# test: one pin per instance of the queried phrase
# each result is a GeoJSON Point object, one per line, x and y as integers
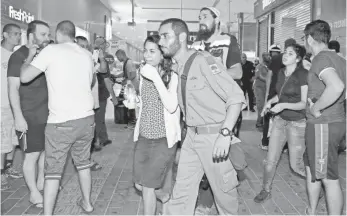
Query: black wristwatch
{"type": "Point", "coordinates": [226, 132]}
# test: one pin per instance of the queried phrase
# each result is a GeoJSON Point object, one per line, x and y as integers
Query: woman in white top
{"type": "Point", "coordinates": [157, 129]}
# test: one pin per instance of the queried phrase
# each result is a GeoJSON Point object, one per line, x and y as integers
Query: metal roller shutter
{"type": "Point", "coordinates": [263, 37]}
{"type": "Point", "coordinates": [290, 21]}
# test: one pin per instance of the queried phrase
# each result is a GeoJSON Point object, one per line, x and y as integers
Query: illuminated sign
{"type": "Point", "coordinates": [20, 15]}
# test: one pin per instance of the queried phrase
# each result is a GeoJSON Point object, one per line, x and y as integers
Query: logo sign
{"type": "Point", "coordinates": [20, 15]}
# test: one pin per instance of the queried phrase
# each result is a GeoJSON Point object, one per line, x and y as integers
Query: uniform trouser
{"type": "Point", "coordinates": [195, 160]}
{"type": "Point", "coordinates": [100, 126]}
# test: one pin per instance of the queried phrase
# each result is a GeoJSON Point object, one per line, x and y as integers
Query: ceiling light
{"type": "Point", "coordinates": [118, 33]}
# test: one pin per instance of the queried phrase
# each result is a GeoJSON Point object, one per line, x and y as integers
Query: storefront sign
{"type": "Point", "coordinates": [20, 15]}
{"type": "Point", "coordinates": [262, 7]}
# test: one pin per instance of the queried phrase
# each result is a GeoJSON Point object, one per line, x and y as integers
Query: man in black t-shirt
{"type": "Point", "coordinates": [29, 102]}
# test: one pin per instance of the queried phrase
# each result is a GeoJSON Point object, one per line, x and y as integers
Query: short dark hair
{"type": "Point", "coordinates": [289, 41]}
{"type": "Point", "coordinates": [335, 45]}
{"type": "Point", "coordinates": [33, 24]}
{"type": "Point", "coordinates": [178, 26]}
{"type": "Point", "coordinates": [81, 38]}
{"type": "Point", "coordinates": [8, 27]}
{"type": "Point", "coordinates": [67, 28]}
{"type": "Point", "coordinates": [121, 52]}
{"type": "Point", "coordinates": [319, 30]}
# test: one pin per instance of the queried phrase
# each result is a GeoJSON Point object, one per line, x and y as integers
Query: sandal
{"type": "Point", "coordinates": [95, 167]}
{"type": "Point", "coordinates": [80, 204]}
{"type": "Point", "coordinates": [37, 205]}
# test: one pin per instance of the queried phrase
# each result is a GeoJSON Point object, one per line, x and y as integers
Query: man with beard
{"type": "Point", "coordinates": [29, 102]}
{"type": "Point", "coordinates": [225, 49]}
{"type": "Point", "coordinates": [209, 123]}
{"type": "Point", "coordinates": [11, 37]}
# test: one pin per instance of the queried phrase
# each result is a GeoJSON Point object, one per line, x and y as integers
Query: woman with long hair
{"type": "Point", "coordinates": [157, 129]}
{"type": "Point", "coordinates": [290, 118]}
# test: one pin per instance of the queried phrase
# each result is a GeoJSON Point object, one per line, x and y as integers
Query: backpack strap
{"type": "Point", "coordinates": [184, 77]}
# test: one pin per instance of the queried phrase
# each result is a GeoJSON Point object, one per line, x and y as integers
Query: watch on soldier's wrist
{"type": "Point", "coordinates": [226, 132]}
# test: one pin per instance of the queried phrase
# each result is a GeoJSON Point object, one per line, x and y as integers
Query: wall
{"type": "Point", "coordinates": [249, 36]}
{"type": "Point", "coordinates": [334, 12]}
{"type": "Point", "coordinates": [78, 11]}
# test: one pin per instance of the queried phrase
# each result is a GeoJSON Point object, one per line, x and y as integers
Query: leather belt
{"type": "Point", "coordinates": [208, 129]}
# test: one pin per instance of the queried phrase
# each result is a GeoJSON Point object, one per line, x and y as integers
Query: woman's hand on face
{"type": "Point", "coordinates": [149, 72]}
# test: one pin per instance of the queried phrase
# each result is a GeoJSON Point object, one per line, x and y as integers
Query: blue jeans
{"type": "Point", "coordinates": [284, 131]}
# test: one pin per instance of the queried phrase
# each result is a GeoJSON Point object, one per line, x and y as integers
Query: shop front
{"type": "Point", "coordinates": [91, 17]}
{"type": "Point", "coordinates": [279, 20]}
{"type": "Point", "coordinates": [19, 12]}
{"type": "Point", "coordinates": [334, 12]}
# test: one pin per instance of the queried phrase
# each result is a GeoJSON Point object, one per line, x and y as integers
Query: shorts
{"type": "Point", "coordinates": [35, 138]}
{"type": "Point", "coordinates": [321, 155]}
{"type": "Point", "coordinates": [8, 133]}
{"type": "Point", "coordinates": [76, 135]}
{"type": "Point", "coordinates": [152, 159]}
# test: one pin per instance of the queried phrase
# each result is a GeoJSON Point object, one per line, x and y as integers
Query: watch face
{"type": "Point", "coordinates": [225, 132]}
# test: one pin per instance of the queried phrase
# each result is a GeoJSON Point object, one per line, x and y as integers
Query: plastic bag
{"type": "Point", "coordinates": [130, 96]}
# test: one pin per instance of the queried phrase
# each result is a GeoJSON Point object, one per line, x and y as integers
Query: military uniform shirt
{"type": "Point", "coordinates": [208, 94]}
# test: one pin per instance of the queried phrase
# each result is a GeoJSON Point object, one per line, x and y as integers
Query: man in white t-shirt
{"type": "Point", "coordinates": [69, 73]}
{"type": "Point", "coordinates": [11, 37]}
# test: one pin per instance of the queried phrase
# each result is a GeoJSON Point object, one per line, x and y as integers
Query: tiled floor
{"type": "Point", "coordinates": [113, 192]}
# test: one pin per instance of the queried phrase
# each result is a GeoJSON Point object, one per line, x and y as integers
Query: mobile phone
{"type": "Point", "coordinates": [96, 55]}
{"type": "Point", "coordinates": [22, 138]}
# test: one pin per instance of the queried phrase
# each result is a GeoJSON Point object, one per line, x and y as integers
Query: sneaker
{"type": "Point", "coordinates": [262, 196]}
{"type": "Point", "coordinates": [4, 183]}
{"type": "Point", "coordinates": [13, 173]}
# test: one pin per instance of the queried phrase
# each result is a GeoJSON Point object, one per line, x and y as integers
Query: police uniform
{"type": "Point", "coordinates": [209, 93]}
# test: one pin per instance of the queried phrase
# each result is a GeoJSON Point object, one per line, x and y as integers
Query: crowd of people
{"type": "Point", "coordinates": [54, 98]}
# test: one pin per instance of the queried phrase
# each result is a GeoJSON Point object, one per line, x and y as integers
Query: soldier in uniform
{"type": "Point", "coordinates": [211, 102]}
